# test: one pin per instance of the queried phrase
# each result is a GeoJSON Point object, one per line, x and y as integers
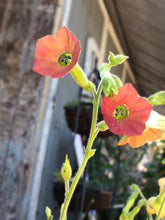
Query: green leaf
{"type": "Point", "coordinates": [163, 161]}
{"type": "Point", "coordinates": [116, 60]}
{"type": "Point", "coordinates": [157, 98]}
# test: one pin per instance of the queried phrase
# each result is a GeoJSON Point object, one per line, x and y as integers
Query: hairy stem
{"type": "Point", "coordinates": [93, 134]}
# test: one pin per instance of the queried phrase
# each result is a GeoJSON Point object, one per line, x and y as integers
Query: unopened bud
{"type": "Point", "coordinates": [109, 84]}
{"type": "Point", "coordinates": [66, 170]}
{"type": "Point", "coordinates": [48, 213]}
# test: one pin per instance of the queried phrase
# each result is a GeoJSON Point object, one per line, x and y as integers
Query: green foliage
{"type": "Point", "coordinates": [103, 166]}
{"type": "Point", "coordinates": [154, 170]}
{"type": "Point", "coordinates": [157, 98]}
{"type": "Point", "coordinates": [116, 60]}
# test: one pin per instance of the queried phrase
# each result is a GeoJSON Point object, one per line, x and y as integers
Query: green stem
{"type": "Point", "coordinates": [66, 187]}
{"type": "Point", "coordinates": [94, 117]}
{"type": "Point", "coordinates": [142, 196]}
{"type": "Point", "coordinates": [161, 206]}
{"type": "Point", "coordinates": [93, 134]}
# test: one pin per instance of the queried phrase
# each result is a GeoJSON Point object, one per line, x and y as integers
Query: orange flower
{"type": "Point", "coordinates": [57, 55]}
{"type": "Point", "coordinates": [149, 134]}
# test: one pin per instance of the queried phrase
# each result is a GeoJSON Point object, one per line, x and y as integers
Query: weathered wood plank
{"type": "Point", "coordinates": [21, 23]}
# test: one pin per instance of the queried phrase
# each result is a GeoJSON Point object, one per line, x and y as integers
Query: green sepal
{"type": "Point", "coordinates": [117, 80]}
{"type": "Point", "coordinates": [109, 86]}
{"type": "Point", "coordinates": [104, 69]}
{"type": "Point", "coordinates": [91, 153]}
{"type": "Point", "coordinates": [116, 60]}
{"type": "Point", "coordinates": [157, 98]}
{"type": "Point", "coordinates": [111, 57]}
{"type": "Point", "coordinates": [163, 161]}
{"type": "Point", "coordinates": [48, 213]}
{"type": "Point", "coordinates": [102, 126]}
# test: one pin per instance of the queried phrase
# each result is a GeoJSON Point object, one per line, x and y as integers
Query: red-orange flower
{"type": "Point", "coordinates": [127, 112]}
{"type": "Point", "coordinates": [57, 55]}
{"type": "Point", "coordinates": [150, 134]}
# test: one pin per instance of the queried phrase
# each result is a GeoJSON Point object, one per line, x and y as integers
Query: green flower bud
{"type": "Point", "coordinates": [48, 213]}
{"type": "Point", "coordinates": [66, 170]}
{"type": "Point", "coordinates": [102, 126]}
{"type": "Point", "coordinates": [109, 84]}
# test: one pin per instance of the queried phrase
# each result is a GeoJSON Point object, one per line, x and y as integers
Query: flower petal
{"type": "Point", "coordinates": [50, 48]}
{"type": "Point", "coordinates": [46, 67]}
{"type": "Point", "coordinates": [150, 134]}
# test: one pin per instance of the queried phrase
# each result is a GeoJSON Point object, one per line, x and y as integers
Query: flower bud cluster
{"type": "Point", "coordinates": [110, 82]}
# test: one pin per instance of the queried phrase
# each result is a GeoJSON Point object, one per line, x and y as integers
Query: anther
{"type": "Point", "coordinates": [120, 112]}
{"type": "Point", "coordinates": [65, 59]}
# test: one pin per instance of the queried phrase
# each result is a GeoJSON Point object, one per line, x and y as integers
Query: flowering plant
{"type": "Point", "coordinates": [124, 111]}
